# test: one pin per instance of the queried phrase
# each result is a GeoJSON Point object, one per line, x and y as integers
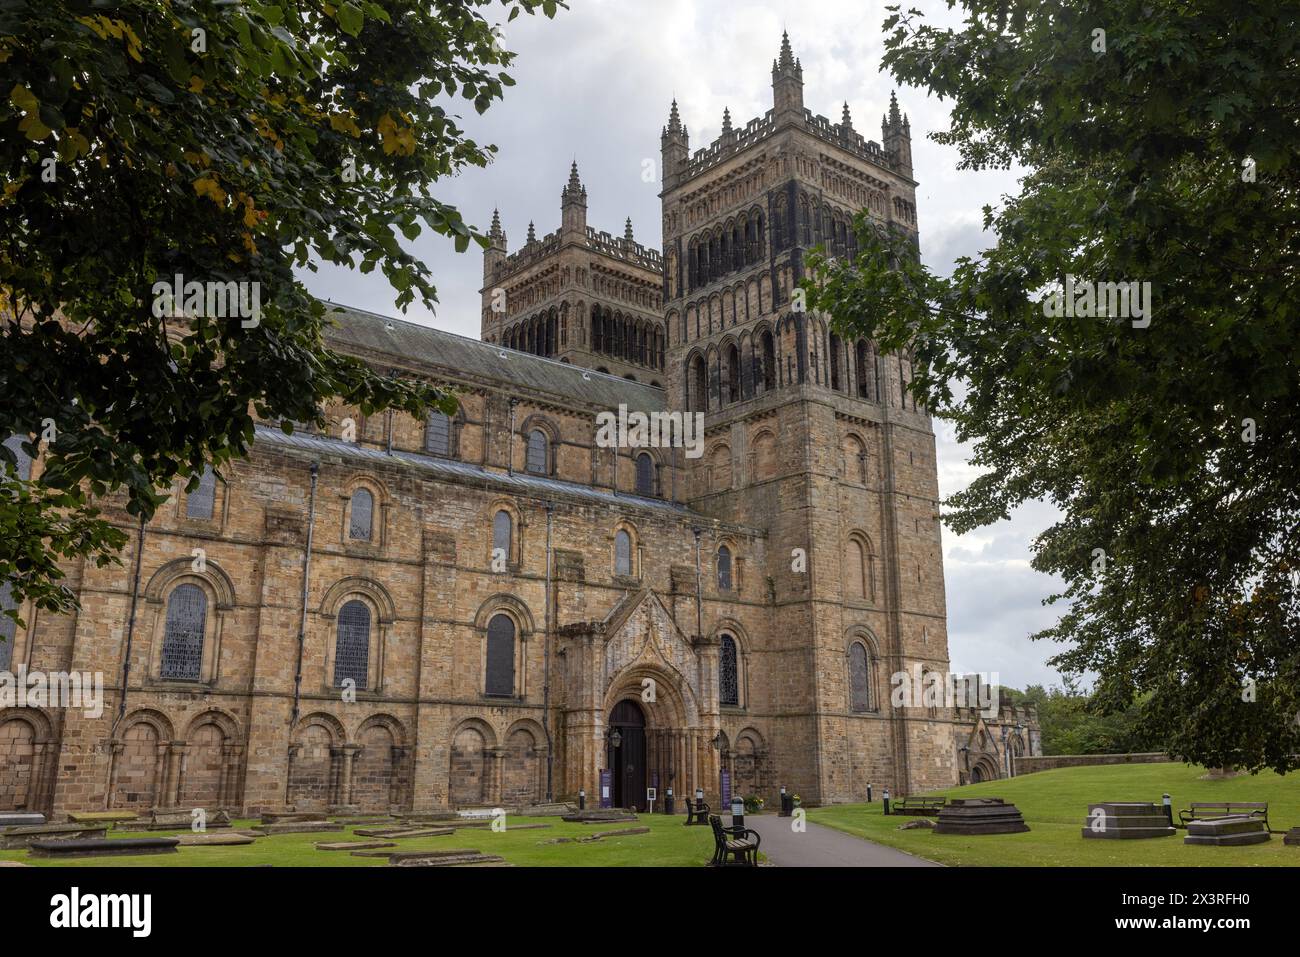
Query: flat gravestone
{"type": "Point", "coordinates": [21, 819]}
{"type": "Point", "coordinates": [285, 817]}
{"type": "Point", "coordinates": [226, 839]}
{"type": "Point", "coordinates": [127, 846]}
{"type": "Point", "coordinates": [352, 845]}
{"type": "Point", "coordinates": [1292, 837]}
{"type": "Point", "coordinates": [12, 838]}
{"type": "Point", "coordinates": [395, 833]}
{"type": "Point", "coordinates": [599, 816]}
{"type": "Point", "coordinates": [102, 817]}
{"type": "Point", "coordinates": [1126, 821]}
{"type": "Point", "coordinates": [980, 816]}
{"type": "Point", "coordinates": [1231, 831]}
{"type": "Point", "coordinates": [181, 819]}
{"type": "Point", "coordinates": [299, 827]}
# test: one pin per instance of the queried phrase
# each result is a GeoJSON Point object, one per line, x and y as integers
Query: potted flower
{"type": "Point", "coordinates": [753, 804]}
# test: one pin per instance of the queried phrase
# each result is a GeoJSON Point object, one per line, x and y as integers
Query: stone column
{"type": "Point", "coordinates": [350, 752]}
{"type": "Point", "coordinates": [165, 794]}
{"type": "Point", "coordinates": [495, 765]}
{"type": "Point", "coordinates": [180, 760]}
{"type": "Point", "coordinates": [115, 763]}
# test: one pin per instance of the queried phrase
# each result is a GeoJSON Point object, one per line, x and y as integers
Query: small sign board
{"type": "Point", "coordinates": [726, 787]}
{"type": "Point", "coordinates": [606, 787]}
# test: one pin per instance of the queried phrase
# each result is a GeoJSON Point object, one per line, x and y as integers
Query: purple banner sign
{"type": "Point", "coordinates": [606, 787]}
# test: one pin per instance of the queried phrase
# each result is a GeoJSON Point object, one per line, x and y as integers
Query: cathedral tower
{"type": "Point", "coordinates": [810, 436]}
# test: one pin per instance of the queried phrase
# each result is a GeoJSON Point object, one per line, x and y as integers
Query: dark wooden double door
{"type": "Point", "coordinates": [628, 760]}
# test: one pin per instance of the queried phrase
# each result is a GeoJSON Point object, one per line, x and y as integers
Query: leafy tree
{"type": "Point", "coordinates": [1161, 151]}
{"type": "Point", "coordinates": [1072, 724]}
{"type": "Point", "coordinates": [218, 142]}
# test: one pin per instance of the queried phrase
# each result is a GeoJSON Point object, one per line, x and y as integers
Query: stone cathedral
{"type": "Point", "coordinates": [491, 608]}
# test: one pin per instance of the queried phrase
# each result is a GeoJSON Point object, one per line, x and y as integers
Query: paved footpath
{"type": "Point", "coordinates": [822, 846]}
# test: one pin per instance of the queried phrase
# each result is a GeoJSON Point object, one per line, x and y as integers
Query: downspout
{"type": "Point", "coordinates": [699, 587]}
{"type": "Point", "coordinates": [126, 662]}
{"type": "Point", "coordinates": [510, 448]}
{"type": "Point", "coordinates": [306, 583]}
{"type": "Point", "coordinates": [546, 667]}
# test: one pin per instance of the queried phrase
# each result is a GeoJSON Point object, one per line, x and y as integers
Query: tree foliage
{"type": "Point", "coordinates": [1163, 152]}
{"type": "Point", "coordinates": [218, 142]}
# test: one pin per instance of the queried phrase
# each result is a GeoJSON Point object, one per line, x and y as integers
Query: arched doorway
{"type": "Point", "coordinates": [626, 759]}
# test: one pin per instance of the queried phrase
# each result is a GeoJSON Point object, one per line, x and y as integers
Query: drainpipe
{"type": "Point", "coordinates": [126, 663]}
{"type": "Point", "coordinates": [699, 587]}
{"type": "Point", "coordinates": [306, 582]}
{"type": "Point", "coordinates": [510, 449]}
{"type": "Point", "coordinates": [130, 627]}
{"type": "Point", "coordinates": [546, 667]}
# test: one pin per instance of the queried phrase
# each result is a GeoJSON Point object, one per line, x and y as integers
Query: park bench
{"type": "Point", "coordinates": [917, 805]}
{"type": "Point", "coordinates": [732, 846]}
{"type": "Point", "coordinates": [1202, 810]}
{"type": "Point", "coordinates": [697, 813]}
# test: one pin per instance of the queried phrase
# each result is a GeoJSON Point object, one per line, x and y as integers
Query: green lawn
{"type": "Point", "coordinates": [1055, 805]}
{"type": "Point", "coordinates": [669, 844]}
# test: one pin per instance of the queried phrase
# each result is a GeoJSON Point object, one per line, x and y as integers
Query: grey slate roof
{"type": "Point", "coordinates": [451, 469]}
{"type": "Point", "coordinates": [475, 359]}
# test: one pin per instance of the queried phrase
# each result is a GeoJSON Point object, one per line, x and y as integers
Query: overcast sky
{"type": "Point", "coordinates": [595, 85]}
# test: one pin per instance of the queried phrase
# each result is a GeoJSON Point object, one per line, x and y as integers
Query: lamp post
{"type": "Point", "coordinates": [737, 810]}
{"type": "Point", "coordinates": [886, 800]}
{"type": "Point", "coordinates": [582, 799]}
{"type": "Point", "coordinates": [614, 738]}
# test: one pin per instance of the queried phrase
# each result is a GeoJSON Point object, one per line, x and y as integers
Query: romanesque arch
{"type": "Point", "coordinates": [210, 772]}
{"type": "Point", "coordinates": [139, 761]}
{"type": "Point", "coordinates": [380, 779]}
{"type": "Point", "coordinates": [468, 780]}
{"type": "Point", "coordinates": [313, 762]}
{"type": "Point", "coordinates": [523, 764]}
{"type": "Point", "coordinates": [25, 749]}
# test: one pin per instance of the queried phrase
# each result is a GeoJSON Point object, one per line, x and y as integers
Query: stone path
{"type": "Point", "coordinates": [822, 846]}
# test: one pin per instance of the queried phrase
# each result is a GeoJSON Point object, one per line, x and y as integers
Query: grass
{"type": "Point", "coordinates": [669, 844]}
{"type": "Point", "coordinates": [1055, 805]}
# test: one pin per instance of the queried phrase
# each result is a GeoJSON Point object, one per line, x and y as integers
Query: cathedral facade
{"type": "Point", "coordinates": [495, 608]}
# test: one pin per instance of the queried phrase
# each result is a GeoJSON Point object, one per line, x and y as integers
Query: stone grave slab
{"type": "Point", "coordinates": [226, 839]}
{"type": "Point", "coordinates": [404, 832]}
{"type": "Point", "coordinates": [285, 817]}
{"type": "Point", "coordinates": [21, 819]}
{"type": "Point", "coordinates": [102, 847]}
{"type": "Point", "coordinates": [624, 832]}
{"type": "Point", "coordinates": [352, 845]}
{"type": "Point", "coordinates": [1231, 831]}
{"type": "Point", "coordinates": [980, 816]}
{"type": "Point", "coordinates": [599, 816]}
{"type": "Point", "coordinates": [177, 819]}
{"type": "Point", "coordinates": [1126, 821]}
{"type": "Point", "coordinates": [299, 827]}
{"type": "Point", "coordinates": [452, 859]}
{"type": "Point", "coordinates": [103, 817]}
{"type": "Point", "coordinates": [12, 838]}
{"type": "Point", "coordinates": [1292, 837]}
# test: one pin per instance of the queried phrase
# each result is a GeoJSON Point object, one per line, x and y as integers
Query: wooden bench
{"type": "Point", "coordinates": [1202, 810]}
{"type": "Point", "coordinates": [917, 805]}
{"type": "Point", "coordinates": [697, 813]}
{"type": "Point", "coordinates": [732, 846]}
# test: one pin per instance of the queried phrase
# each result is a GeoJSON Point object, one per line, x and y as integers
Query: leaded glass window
{"type": "Point", "coordinates": [622, 553]}
{"type": "Point", "coordinates": [437, 434]}
{"type": "Point", "coordinates": [859, 679]}
{"type": "Point", "coordinates": [645, 474]}
{"type": "Point", "coordinates": [500, 656]}
{"type": "Point", "coordinates": [501, 530]}
{"type": "Point", "coordinates": [352, 645]}
{"type": "Point", "coordinates": [724, 568]}
{"type": "Point", "coordinates": [728, 673]}
{"type": "Point", "coordinates": [360, 515]}
{"type": "Point", "coordinates": [8, 627]}
{"type": "Point", "coordinates": [15, 445]}
{"type": "Point", "coordinates": [201, 501]}
{"type": "Point", "coordinates": [536, 461]}
{"type": "Point", "coordinates": [182, 650]}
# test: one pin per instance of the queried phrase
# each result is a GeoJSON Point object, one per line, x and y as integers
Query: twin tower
{"type": "Point", "coordinates": [810, 435]}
